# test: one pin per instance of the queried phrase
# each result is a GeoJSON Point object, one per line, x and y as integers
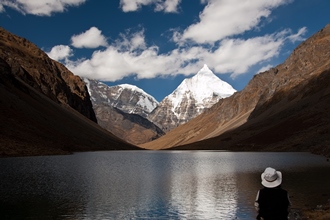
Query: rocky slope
{"type": "Point", "coordinates": [44, 108]}
{"type": "Point", "coordinates": [285, 108]}
{"type": "Point", "coordinates": [49, 77]}
{"type": "Point", "coordinates": [125, 97]}
{"type": "Point", "coordinates": [132, 128]}
{"type": "Point", "coordinates": [190, 99]}
{"type": "Point", "coordinates": [122, 110]}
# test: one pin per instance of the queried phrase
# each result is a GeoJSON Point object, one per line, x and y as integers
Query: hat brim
{"type": "Point", "coordinates": [272, 184]}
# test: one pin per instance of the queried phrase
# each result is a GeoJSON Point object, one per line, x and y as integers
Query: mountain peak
{"type": "Point", "coordinates": [205, 71]}
{"type": "Point", "coordinates": [205, 68]}
{"type": "Point", "coordinates": [131, 87]}
{"type": "Point", "coordinates": [205, 84]}
{"type": "Point", "coordinates": [126, 97]}
{"type": "Point", "coordinates": [190, 98]}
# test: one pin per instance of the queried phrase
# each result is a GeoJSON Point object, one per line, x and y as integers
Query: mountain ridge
{"type": "Point", "coordinates": [259, 116]}
{"type": "Point", "coordinates": [30, 64]}
{"type": "Point", "coordinates": [117, 107]}
{"type": "Point", "coordinates": [189, 99]}
{"type": "Point", "coordinates": [123, 110]}
{"type": "Point", "coordinates": [141, 104]}
{"type": "Point", "coordinates": [45, 109]}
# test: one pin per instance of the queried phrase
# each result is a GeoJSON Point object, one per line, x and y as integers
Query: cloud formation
{"type": "Point", "coordinates": [298, 37]}
{"type": "Point", "coordinates": [213, 40]}
{"type": "Point", "coordinates": [91, 38]}
{"type": "Point", "coordinates": [40, 8]}
{"type": "Point", "coordinates": [131, 56]}
{"type": "Point", "coordinates": [60, 52]}
{"type": "Point", "coordinates": [264, 68]}
{"type": "Point", "coordinates": [225, 18]}
{"type": "Point", "coordinates": [2, 9]}
{"type": "Point", "coordinates": [168, 6]}
{"type": "Point", "coordinates": [236, 56]}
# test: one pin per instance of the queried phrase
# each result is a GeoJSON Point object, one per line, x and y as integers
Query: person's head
{"type": "Point", "coordinates": [271, 178]}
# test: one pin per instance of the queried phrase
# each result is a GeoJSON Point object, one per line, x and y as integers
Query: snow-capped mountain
{"type": "Point", "coordinates": [128, 98]}
{"type": "Point", "coordinates": [123, 111]}
{"type": "Point", "coordinates": [191, 98]}
{"type": "Point", "coordinates": [205, 88]}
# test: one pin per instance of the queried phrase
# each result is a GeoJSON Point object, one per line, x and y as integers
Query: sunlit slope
{"type": "Point", "coordinates": [227, 114]}
{"type": "Point", "coordinates": [285, 108]}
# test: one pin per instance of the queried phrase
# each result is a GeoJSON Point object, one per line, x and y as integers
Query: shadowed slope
{"type": "Point", "coordinates": [44, 108]}
{"type": "Point", "coordinates": [285, 108]}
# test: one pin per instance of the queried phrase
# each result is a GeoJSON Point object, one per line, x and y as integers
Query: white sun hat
{"type": "Point", "coordinates": [271, 178]}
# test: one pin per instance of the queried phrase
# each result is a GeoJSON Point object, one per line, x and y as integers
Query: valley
{"type": "Point", "coordinates": [283, 109]}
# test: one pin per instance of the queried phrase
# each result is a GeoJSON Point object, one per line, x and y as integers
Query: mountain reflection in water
{"type": "Point", "coordinates": [153, 184]}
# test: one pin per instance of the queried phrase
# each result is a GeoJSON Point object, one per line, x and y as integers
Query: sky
{"type": "Point", "coordinates": [155, 44]}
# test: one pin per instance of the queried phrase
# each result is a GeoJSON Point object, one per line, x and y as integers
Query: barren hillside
{"type": "Point", "coordinates": [285, 108]}
{"type": "Point", "coordinates": [44, 108]}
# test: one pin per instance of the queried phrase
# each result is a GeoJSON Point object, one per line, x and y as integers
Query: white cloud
{"type": "Point", "coordinates": [215, 42]}
{"type": "Point", "coordinates": [298, 37]}
{"type": "Point", "coordinates": [224, 18]}
{"type": "Point", "coordinates": [236, 56]}
{"type": "Point", "coordinates": [131, 56]}
{"type": "Point", "coordinates": [133, 5]}
{"type": "Point", "coordinates": [41, 8]}
{"type": "Point", "coordinates": [2, 9]}
{"type": "Point", "coordinates": [91, 38]}
{"type": "Point", "coordinates": [131, 42]}
{"type": "Point", "coordinates": [264, 68]}
{"type": "Point", "coordinates": [126, 56]}
{"type": "Point", "coordinates": [169, 6]}
{"type": "Point", "coordinates": [60, 52]}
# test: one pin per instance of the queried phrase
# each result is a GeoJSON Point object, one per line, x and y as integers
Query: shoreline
{"type": "Point", "coordinates": [320, 212]}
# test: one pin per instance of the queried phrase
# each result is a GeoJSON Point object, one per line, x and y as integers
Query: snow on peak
{"type": "Point", "coordinates": [139, 90]}
{"type": "Point", "coordinates": [204, 84]}
{"type": "Point", "coordinates": [145, 101]}
{"type": "Point", "coordinates": [205, 70]}
{"type": "Point", "coordinates": [131, 87]}
{"type": "Point", "coordinates": [126, 97]}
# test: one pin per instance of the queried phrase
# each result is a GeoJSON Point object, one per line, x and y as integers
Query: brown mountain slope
{"type": "Point", "coordinates": [132, 128]}
{"type": "Point", "coordinates": [49, 77]}
{"type": "Point", "coordinates": [119, 110]}
{"type": "Point", "coordinates": [227, 114]}
{"type": "Point", "coordinates": [36, 117]}
{"type": "Point", "coordinates": [285, 108]}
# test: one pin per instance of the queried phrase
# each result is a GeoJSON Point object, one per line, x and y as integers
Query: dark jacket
{"type": "Point", "coordinates": [273, 203]}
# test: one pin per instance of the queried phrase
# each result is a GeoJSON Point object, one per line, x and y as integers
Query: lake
{"type": "Point", "coordinates": [154, 184]}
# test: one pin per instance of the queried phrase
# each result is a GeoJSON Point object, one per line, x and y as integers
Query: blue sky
{"type": "Point", "coordinates": [155, 44]}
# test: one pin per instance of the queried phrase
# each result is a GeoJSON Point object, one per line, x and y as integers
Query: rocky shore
{"type": "Point", "coordinates": [320, 212]}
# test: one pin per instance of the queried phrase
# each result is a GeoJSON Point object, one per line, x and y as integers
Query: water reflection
{"type": "Point", "coordinates": [203, 190]}
{"type": "Point", "coordinates": [159, 185]}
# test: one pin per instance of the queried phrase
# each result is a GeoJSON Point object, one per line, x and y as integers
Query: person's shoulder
{"type": "Point", "coordinates": [282, 191]}
{"type": "Point", "coordinates": [280, 188]}
{"type": "Point", "coordinates": [273, 189]}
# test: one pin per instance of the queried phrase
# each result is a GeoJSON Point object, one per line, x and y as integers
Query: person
{"type": "Point", "coordinates": [272, 202]}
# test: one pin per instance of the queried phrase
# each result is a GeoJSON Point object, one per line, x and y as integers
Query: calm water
{"type": "Point", "coordinates": [153, 184]}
